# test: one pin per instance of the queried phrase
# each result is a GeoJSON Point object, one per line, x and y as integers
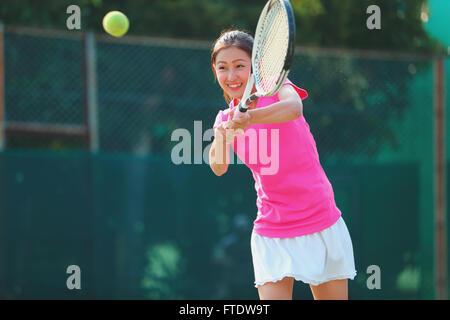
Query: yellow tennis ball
{"type": "Point", "coordinates": [116, 23]}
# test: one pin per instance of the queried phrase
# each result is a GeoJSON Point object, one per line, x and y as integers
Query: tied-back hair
{"type": "Point", "coordinates": [231, 38]}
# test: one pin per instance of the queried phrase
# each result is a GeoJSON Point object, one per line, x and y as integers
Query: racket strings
{"type": "Point", "coordinates": [274, 40]}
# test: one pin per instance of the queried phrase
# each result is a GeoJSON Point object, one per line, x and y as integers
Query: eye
{"type": "Point", "coordinates": [241, 66]}
{"type": "Point", "coordinates": [221, 68]}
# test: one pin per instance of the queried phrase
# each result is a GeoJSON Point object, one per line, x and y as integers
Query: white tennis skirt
{"type": "Point", "coordinates": [314, 258]}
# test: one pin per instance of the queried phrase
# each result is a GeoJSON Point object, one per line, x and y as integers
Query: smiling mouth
{"type": "Point", "coordinates": [234, 86]}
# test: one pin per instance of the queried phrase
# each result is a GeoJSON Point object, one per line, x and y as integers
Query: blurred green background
{"type": "Point", "coordinates": [140, 226]}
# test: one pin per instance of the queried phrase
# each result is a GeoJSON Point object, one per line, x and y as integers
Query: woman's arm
{"type": "Point", "coordinates": [289, 107]}
{"type": "Point", "coordinates": [219, 152]}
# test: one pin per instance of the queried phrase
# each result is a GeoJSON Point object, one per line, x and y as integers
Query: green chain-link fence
{"type": "Point", "coordinates": [140, 226]}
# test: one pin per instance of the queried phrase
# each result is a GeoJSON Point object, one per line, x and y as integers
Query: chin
{"type": "Point", "coordinates": [235, 95]}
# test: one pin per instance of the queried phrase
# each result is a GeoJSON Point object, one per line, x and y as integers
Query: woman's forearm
{"type": "Point", "coordinates": [282, 111]}
{"type": "Point", "coordinates": [218, 156]}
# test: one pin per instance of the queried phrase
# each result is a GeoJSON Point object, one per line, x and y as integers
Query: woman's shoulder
{"type": "Point", "coordinates": [303, 94]}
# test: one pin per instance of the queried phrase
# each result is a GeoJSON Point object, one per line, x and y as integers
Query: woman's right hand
{"type": "Point", "coordinates": [227, 135]}
{"type": "Point", "coordinates": [219, 152]}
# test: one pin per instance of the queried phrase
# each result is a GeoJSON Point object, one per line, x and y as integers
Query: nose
{"type": "Point", "coordinates": [231, 76]}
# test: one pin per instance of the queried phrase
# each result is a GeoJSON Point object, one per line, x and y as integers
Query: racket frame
{"type": "Point", "coordinates": [247, 97]}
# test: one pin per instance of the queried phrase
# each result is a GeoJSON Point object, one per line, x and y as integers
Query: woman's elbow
{"type": "Point", "coordinates": [218, 171]}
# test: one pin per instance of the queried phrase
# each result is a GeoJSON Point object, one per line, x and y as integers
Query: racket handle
{"type": "Point", "coordinates": [252, 98]}
{"type": "Point", "coordinates": [241, 109]}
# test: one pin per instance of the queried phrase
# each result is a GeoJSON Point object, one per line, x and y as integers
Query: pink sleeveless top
{"type": "Point", "coordinates": [294, 196]}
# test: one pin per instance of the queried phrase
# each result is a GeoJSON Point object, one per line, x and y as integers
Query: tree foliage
{"type": "Point", "coordinates": [353, 97]}
{"type": "Point", "coordinates": [335, 23]}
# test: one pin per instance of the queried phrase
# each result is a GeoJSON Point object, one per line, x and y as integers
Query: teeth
{"type": "Point", "coordinates": [234, 85]}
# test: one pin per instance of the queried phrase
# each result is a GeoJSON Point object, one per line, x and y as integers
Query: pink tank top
{"type": "Point", "coordinates": [294, 196]}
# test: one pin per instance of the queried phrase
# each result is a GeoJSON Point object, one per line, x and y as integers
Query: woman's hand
{"type": "Point", "coordinates": [225, 134]}
{"type": "Point", "coordinates": [238, 120]}
{"type": "Point", "coordinates": [218, 154]}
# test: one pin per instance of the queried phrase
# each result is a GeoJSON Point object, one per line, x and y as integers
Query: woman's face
{"type": "Point", "coordinates": [233, 66]}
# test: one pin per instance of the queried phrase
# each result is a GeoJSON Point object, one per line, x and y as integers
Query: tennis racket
{"type": "Point", "coordinates": [272, 53]}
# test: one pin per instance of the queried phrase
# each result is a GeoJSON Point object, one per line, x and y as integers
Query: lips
{"type": "Point", "coordinates": [234, 87]}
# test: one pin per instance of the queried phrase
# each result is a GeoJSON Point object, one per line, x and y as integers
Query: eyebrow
{"type": "Point", "coordinates": [232, 61]}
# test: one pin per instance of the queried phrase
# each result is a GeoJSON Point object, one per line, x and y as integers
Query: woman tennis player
{"type": "Point", "coordinates": [298, 232]}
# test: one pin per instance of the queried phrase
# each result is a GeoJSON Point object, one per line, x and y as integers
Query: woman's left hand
{"type": "Point", "coordinates": [238, 120]}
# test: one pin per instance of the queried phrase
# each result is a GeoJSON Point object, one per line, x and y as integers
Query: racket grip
{"type": "Point", "coordinates": [252, 98]}
{"type": "Point", "coordinates": [247, 102]}
{"type": "Point", "coordinates": [241, 109]}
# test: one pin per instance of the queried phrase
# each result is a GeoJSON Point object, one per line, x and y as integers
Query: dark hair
{"type": "Point", "coordinates": [229, 38]}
